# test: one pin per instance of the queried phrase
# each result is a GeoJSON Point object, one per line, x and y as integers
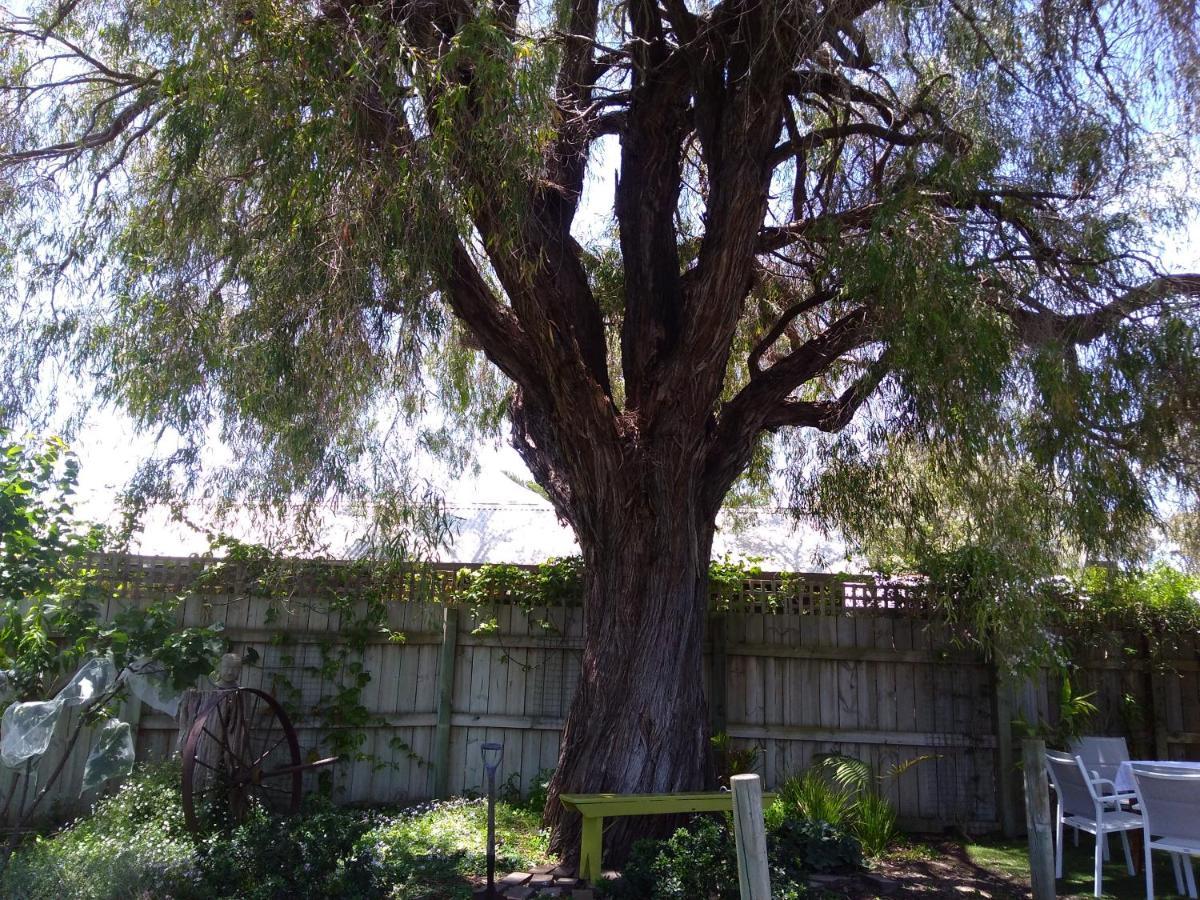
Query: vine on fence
{"type": "Point", "coordinates": [1094, 606]}
{"type": "Point", "coordinates": [57, 618]}
{"type": "Point", "coordinates": [358, 594]}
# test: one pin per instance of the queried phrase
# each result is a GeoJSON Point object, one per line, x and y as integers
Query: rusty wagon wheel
{"type": "Point", "coordinates": [241, 751]}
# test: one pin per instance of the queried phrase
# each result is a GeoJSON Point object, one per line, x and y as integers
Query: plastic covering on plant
{"type": "Point", "coordinates": [111, 756]}
{"type": "Point", "coordinates": [27, 729]}
{"type": "Point", "coordinates": [151, 683]}
{"type": "Point", "coordinates": [93, 678]}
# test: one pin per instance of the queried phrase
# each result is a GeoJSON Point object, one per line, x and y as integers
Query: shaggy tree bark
{"type": "Point", "coordinates": [638, 722]}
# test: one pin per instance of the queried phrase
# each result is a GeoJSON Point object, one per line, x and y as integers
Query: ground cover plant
{"type": "Point", "coordinates": [134, 844]}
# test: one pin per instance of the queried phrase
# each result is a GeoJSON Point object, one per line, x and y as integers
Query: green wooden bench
{"type": "Point", "coordinates": [595, 808]}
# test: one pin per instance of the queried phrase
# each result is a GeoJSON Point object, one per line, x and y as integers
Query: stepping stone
{"type": "Point", "coordinates": [583, 894]}
{"type": "Point", "coordinates": [544, 868]}
{"type": "Point", "coordinates": [517, 893]}
{"type": "Point", "coordinates": [564, 872]}
{"type": "Point", "coordinates": [513, 878]}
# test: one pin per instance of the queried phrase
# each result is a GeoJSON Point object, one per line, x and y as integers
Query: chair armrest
{"type": "Point", "coordinates": [1114, 796]}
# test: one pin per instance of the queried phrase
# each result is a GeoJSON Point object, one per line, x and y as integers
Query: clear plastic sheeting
{"type": "Point", "coordinates": [111, 756]}
{"type": "Point", "coordinates": [26, 730]}
{"type": "Point", "coordinates": [93, 678]}
{"type": "Point", "coordinates": [151, 684]}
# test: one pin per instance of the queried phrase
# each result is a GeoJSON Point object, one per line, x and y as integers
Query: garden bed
{"type": "Point", "coordinates": [134, 844]}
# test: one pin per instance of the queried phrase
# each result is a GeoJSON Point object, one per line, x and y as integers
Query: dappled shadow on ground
{"type": "Point", "coordinates": [948, 873]}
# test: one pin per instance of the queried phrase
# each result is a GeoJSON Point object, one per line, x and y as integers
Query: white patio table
{"type": "Point", "coordinates": [1124, 779]}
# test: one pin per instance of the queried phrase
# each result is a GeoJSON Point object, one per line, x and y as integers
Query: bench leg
{"type": "Point", "coordinates": [590, 848]}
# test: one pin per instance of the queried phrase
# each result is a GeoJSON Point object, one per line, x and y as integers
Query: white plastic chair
{"type": "Point", "coordinates": [1101, 756]}
{"type": "Point", "coordinates": [1170, 803]}
{"type": "Point", "coordinates": [1081, 804]}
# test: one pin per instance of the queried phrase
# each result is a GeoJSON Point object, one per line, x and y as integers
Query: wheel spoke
{"type": "Point", "coordinates": [267, 737]}
{"type": "Point", "coordinates": [270, 750]}
{"type": "Point", "coordinates": [225, 745]}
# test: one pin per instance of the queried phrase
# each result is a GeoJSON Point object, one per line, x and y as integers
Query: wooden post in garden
{"type": "Point", "coordinates": [445, 696]}
{"type": "Point", "coordinates": [750, 836]}
{"type": "Point", "coordinates": [1006, 761]}
{"type": "Point", "coordinates": [1037, 818]}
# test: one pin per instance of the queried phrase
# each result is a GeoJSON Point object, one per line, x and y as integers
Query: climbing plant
{"type": "Point", "coordinates": [58, 617]}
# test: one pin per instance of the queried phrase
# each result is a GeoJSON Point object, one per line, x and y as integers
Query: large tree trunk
{"type": "Point", "coordinates": [639, 721]}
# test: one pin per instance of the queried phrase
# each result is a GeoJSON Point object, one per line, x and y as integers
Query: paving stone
{"type": "Point", "coordinates": [565, 882]}
{"type": "Point", "coordinates": [517, 893]}
{"type": "Point", "coordinates": [583, 894]}
{"type": "Point", "coordinates": [513, 879]}
{"type": "Point", "coordinates": [541, 878]}
{"type": "Point", "coordinates": [564, 872]}
{"type": "Point", "coordinates": [544, 868]}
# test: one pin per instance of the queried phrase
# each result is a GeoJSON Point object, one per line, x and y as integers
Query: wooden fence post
{"type": "Point", "coordinates": [1158, 698]}
{"type": "Point", "coordinates": [718, 703]}
{"type": "Point", "coordinates": [445, 695]}
{"type": "Point", "coordinates": [1006, 762]}
{"type": "Point", "coordinates": [1037, 819]}
{"type": "Point", "coordinates": [750, 835]}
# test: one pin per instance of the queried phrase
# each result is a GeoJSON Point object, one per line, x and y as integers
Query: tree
{"type": "Point", "coordinates": [839, 228]}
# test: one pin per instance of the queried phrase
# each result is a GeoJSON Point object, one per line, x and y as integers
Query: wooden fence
{"type": "Point", "coordinates": [799, 666]}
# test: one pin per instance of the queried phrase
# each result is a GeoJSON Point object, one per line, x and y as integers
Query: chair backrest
{"type": "Point", "coordinates": [1170, 802]}
{"type": "Point", "coordinates": [1102, 755]}
{"type": "Point", "coordinates": [1076, 795]}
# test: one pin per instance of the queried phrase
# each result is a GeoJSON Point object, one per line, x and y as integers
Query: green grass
{"type": "Point", "coordinates": [134, 845]}
{"type": "Point", "coordinates": [1011, 858]}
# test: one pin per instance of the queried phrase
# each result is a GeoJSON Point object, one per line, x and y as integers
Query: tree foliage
{"type": "Point", "coordinates": [298, 223]}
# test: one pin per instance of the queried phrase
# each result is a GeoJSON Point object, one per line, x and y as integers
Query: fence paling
{"type": "Point", "coordinates": [825, 665]}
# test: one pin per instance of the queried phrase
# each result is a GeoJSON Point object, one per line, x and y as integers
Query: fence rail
{"type": "Point", "coordinates": [799, 665]}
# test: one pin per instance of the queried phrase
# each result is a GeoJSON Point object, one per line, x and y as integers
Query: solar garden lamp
{"type": "Point", "coordinates": [492, 754]}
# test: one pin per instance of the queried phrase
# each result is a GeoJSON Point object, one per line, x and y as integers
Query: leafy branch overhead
{"type": "Point", "coordinates": [939, 213]}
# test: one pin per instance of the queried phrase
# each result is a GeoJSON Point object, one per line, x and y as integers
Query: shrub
{"type": "Point", "coordinates": [802, 846]}
{"type": "Point", "coordinates": [812, 796]}
{"type": "Point", "coordinates": [699, 861]}
{"type": "Point", "coordinates": [874, 824]}
{"type": "Point", "coordinates": [133, 844]}
{"type": "Point", "coordinates": [426, 851]}
{"type": "Point", "coordinates": [313, 855]}
{"type": "Point", "coordinates": [845, 792]}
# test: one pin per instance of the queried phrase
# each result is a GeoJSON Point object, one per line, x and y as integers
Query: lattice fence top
{"type": "Point", "coordinates": [794, 593]}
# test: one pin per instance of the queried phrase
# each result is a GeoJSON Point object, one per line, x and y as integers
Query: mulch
{"type": "Point", "coordinates": [950, 875]}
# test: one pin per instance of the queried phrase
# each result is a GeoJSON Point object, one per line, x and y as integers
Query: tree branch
{"type": "Point", "coordinates": [1046, 328]}
{"type": "Point", "coordinates": [830, 415]}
